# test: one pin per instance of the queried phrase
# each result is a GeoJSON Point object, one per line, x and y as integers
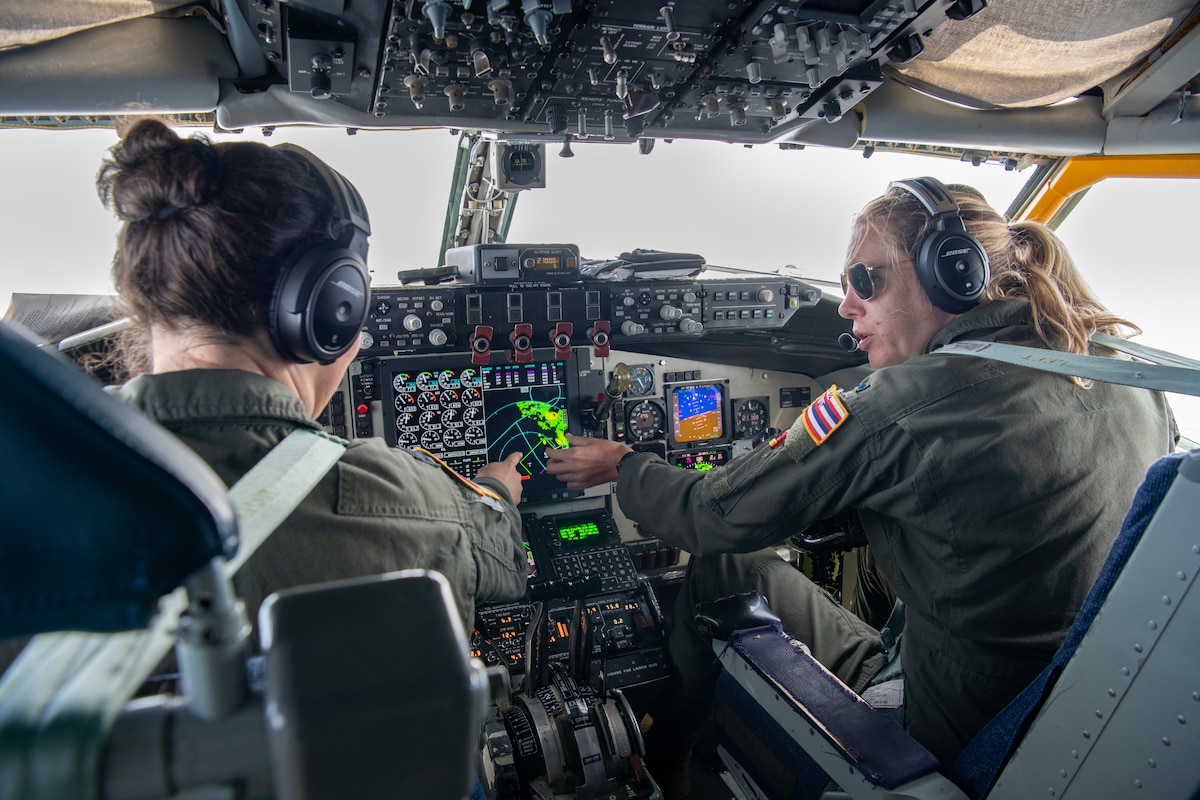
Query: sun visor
{"type": "Point", "coordinates": [1038, 52]}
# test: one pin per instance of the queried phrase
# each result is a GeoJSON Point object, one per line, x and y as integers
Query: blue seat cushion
{"type": "Point", "coordinates": [104, 510]}
{"type": "Point", "coordinates": [979, 764]}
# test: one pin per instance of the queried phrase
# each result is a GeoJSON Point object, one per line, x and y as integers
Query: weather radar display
{"type": "Point", "coordinates": [527, 413]}
{"type": "Point", "coordinates": [474, 415]}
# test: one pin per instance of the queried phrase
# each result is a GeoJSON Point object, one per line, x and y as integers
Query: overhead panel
{"type": "Point", "coordinates": [616, 70]}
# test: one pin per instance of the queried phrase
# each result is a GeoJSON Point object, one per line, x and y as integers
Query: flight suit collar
{"type": "Point", "coordinates": [983, 321]}
{"type": "Point", "coordinates": [214, 394]}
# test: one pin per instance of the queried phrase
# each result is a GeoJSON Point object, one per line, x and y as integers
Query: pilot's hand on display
{"type": "Point", "coordinates": [587, 462]}
{"type": "Point", "coordinates": [506, 472]}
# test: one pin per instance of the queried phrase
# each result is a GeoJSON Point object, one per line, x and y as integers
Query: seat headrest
{"type": "Point", "coordinates": [103, 510]}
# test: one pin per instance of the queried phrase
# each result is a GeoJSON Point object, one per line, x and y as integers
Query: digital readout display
{"type": "Point", "coordinates": [577, 532]}
{"type": "Point", "coordinates": [701, 460]}
{"type": "Point", "coordinates": [470, 416]}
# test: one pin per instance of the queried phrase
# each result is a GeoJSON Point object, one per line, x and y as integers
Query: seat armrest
{"type": "Point", "coordinates": [866, 751]}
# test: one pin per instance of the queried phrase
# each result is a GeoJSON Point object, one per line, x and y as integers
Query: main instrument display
{"type": "Point", "coordinates": [470, 415]}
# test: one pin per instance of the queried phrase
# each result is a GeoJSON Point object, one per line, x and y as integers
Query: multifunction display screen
{"type": "Point", "coordinates": [697, 412]}
{"type": "Point", "coordinates": [469, 416]}
{"type": "Point", "coordinates": [580, 532]}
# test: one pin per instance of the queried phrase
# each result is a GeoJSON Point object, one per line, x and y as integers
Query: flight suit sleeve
{"type": "Point", "coordinates": [495, 533]}
{"type": "Point", "coordinates": [758, 499]}
{"type": "Point", "coordinates": [497, 542]}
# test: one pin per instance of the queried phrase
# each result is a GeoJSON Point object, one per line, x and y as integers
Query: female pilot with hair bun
{"type": "Point", "coordinates": [209, 229]}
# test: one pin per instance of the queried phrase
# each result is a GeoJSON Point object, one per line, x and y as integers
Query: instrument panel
{"type": "Point", "coordinates": [515, 355]}
{"type": "Point", "coordinates": [510, 320]}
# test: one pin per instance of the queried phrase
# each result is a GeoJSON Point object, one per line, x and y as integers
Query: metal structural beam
{"type": "Point", "coordinates": [1081, 172]}
{"type": "Point", "coordinates": [1162, 78]}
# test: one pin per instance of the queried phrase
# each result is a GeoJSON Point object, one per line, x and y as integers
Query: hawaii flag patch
{"type": "Point", "coordinates": [824, 415]}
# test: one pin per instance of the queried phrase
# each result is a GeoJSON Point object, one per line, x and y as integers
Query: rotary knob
{"type": "Point", "coordinates": [412, 322]}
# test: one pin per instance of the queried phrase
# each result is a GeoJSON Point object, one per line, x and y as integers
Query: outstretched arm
{"type": "Point", "coordinates": [587, 462]}
{"type": "Point", "coordinates": [506, 473]}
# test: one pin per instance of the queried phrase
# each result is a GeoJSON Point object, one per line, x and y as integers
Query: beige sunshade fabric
{"type": "Point", "coordinates": [25, 22]}
{"type": "Point", "coordinates": [1025, 53]}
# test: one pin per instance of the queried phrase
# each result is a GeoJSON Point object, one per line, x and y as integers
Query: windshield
{"type": "Point", "coordinates": [755, 208]}
{"type": "Point", "coordinates": [759, 208]}
{"type": "Point", "coordinates": [1133, 239]}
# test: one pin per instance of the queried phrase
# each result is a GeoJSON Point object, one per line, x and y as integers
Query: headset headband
{"type": "Point", "coordinates": [350, 225]}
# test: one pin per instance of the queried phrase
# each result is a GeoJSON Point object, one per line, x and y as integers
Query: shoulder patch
{"type": "Point", "coordinates": [814, 425]}
{"type": "Point", "coordinates": [824, 416]}
{"type": "Point", "coordinates": [475, 488]}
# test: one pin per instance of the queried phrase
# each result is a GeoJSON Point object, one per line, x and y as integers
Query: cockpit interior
{"type": "Point", "coordinates": [507, 346]}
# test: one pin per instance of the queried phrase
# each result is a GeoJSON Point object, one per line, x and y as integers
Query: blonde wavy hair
{"type": "Point", "coordinates": [1028, 261]}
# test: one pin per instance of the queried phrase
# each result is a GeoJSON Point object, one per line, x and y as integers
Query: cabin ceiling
{"type": "Point", "coordinates": [1003, 78]}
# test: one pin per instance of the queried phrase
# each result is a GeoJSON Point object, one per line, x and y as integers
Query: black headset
{"type": "Point", "coordinates": [322, 295]}
{"type": "Point", "coordinates": [951, 263]}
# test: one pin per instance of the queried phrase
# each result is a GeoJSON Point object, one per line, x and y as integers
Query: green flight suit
{"type": "Point", "coordinates": [379, 509]}
{"type": "Point", "coordinates": [989, 494]}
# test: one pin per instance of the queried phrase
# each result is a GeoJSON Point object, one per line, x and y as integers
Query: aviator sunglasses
{"type": "Point", "coordinates": [865, 281]}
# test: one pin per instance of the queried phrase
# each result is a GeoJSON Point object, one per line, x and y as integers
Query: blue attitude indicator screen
{"type": "Point", "coordinates": [697, 412]}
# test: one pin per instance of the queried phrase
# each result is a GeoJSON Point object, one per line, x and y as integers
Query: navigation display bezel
{"type": "Point", "coordinates": [465, 457]}
{"type": "Point", "coordinates": [671, 394]}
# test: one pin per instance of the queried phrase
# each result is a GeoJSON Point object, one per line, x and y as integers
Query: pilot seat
{"type": "Point", "coordinates": [1113, 715]}
{"type": "Point", "coordinates": [118, 545]}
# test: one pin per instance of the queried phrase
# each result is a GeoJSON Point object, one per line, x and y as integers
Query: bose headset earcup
{"type": "Point", "coordinates": [951, 264]}
{"type": "Point", "coordinates": [319, 303]}
{"type": "Point", "coordinates": [321, 297]}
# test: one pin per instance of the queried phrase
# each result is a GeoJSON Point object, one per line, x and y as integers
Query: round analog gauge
{"type": "Point", "coordinates": [470, 377]}
{"type": "Point", "coordinates": [405, 419]}
{"type": "Point", "coordinates": [450, 417]}
{"type": "Point", "coordinates": [427, 400]}
{"type": "Point", "coordinates": [431, 440]}
{"type": "Point", "coordinates": [427, 380]}
{"type": "Point", "coordinates": [752, 419]}
{"type": "Point", "coordinates": [472, 397]}
{"type": "Point", "coordinates": [428, 418]}
{"type": "Point", "coordinates": [448, 379]}
{"type": "Point", "coordinates": [406, 439]}
{"type": "Point", "coordinates": [644, 421]}
{"type": "Point", "coordinates": [475, 436]}
{"type": "Point", "coordinates": [473, 415]}
{"type": "Point", "coordinates": [405, 400]}
{"type": "Point", "coordinates": [641, 381]}
{"type": "Point", "coordinates": [452, 439]}
{"type": "Point", "coordinates": [403, 382]}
